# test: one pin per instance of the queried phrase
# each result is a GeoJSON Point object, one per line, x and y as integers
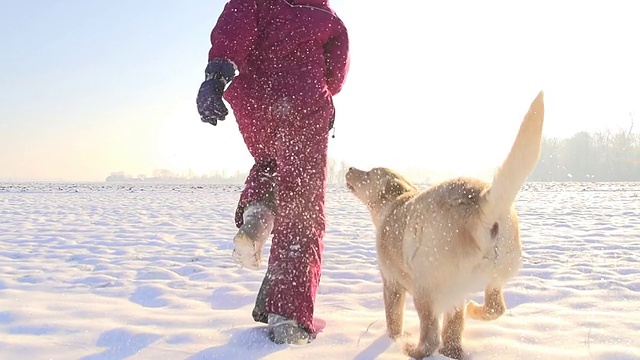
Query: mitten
{"type": "Point", "coordinates": [218, 75]}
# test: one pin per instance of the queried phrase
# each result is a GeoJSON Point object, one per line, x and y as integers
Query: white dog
{"type": "Point", "coordinates": [452, 239]}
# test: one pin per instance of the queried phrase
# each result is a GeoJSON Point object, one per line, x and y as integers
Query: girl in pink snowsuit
{"type": "Point", "coordinates": [291, 58]}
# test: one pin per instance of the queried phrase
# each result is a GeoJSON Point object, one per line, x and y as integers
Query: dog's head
{"type": "Point", "coordinates": [378, 185]}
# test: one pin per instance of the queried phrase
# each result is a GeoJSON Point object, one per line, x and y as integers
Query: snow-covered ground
{"type": "Point", "coordinates": [144, 271]}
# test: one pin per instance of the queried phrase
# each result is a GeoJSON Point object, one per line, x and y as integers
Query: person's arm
{"type": "Point", "coordinates": [235, 32]}
{"type": "Point", "coordinates": [336, 54]}
{"type": "Point", "coordinates": [232, 39]}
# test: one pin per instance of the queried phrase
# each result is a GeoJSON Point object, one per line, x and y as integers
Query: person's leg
{"type": "Point", "coordinates": [259, 186]}
{"type": "Point", "coordinates": [255, 212]}
{"type": "Point", "coordinates": [293, 274]}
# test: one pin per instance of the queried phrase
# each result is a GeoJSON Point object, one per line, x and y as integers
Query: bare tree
{"type": "Point", "coordinates": [603, 156]}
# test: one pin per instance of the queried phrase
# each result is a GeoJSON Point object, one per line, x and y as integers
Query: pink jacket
{"type": "Point", "coordinates": [293, 48]}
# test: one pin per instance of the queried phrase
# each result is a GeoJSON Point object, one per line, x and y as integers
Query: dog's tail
{"type": "Point", "coordinates": [518, 165]}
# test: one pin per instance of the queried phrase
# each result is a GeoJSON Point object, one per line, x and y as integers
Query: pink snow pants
{"type": "Point", "coordinates": [290, 152]}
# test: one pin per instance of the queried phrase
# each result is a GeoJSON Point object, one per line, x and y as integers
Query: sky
{"type": "Point", "coordinates": [88, 88]}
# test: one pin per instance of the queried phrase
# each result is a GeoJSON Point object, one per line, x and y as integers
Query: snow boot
{"type": "Point", "coordinates": [252, 235]}
{"type": "Point", "coordinates": [286, 331]}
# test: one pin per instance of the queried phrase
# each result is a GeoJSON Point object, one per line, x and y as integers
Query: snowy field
{"type": "Point", "coordinates": [144, 271]}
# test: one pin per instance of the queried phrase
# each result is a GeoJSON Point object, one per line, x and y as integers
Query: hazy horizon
{"type": "Point", "coordinates": [94, 88]}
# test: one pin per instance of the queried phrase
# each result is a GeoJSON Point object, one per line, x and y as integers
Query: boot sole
{"type": "Point", "coordinates": [245, 252]}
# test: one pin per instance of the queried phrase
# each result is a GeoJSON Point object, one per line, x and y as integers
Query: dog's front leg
{"type": "Point", "coordinates": [429, 328]}
{"type": "Point", "coordinates": [394, 297]}
{"type": "Point", "coordinates": [452, 333]}
{"type": "Point", "coordinates": [493, 307]}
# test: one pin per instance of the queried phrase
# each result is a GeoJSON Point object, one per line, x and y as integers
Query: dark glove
{"type": "Point", "coordinates": [218, 74]}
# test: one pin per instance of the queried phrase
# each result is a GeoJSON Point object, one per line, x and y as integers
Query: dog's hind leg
{"type": "Point", "coordinates": [394, 298]}
{"type": "Point", "coordinates": [429, 329]}
{"type": "Point", "coordinates": [452, 334]}
{"type": "Point", "coordinates": [493, 307]}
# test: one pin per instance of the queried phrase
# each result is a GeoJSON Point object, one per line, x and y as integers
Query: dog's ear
{"type": "Point", "coordinates": [395, 188]}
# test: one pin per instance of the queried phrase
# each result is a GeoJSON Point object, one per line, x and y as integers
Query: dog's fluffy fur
{"type": "Point", "coordinates": [447, 241]}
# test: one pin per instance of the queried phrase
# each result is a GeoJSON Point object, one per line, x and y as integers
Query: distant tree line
{"type": "Point", "coordinates": [336, 173]}
{"type": "Point", "coordinates": [164, 175]}
{"type": "Point", "coordinates": [603, 156]}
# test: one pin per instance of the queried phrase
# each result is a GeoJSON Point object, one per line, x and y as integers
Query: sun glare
{"type": "Point", "coordinates": [186, 146]}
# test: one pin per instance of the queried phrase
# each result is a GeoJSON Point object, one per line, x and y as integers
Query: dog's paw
{"type": "Point", "coordinates": [481, 312]}
{"type": "Point", "coordinates": [452, 351]}
{"type": "Point", "coordinates": [474, 310]}
{"type": "Point", "coordinates": [416, 351]}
